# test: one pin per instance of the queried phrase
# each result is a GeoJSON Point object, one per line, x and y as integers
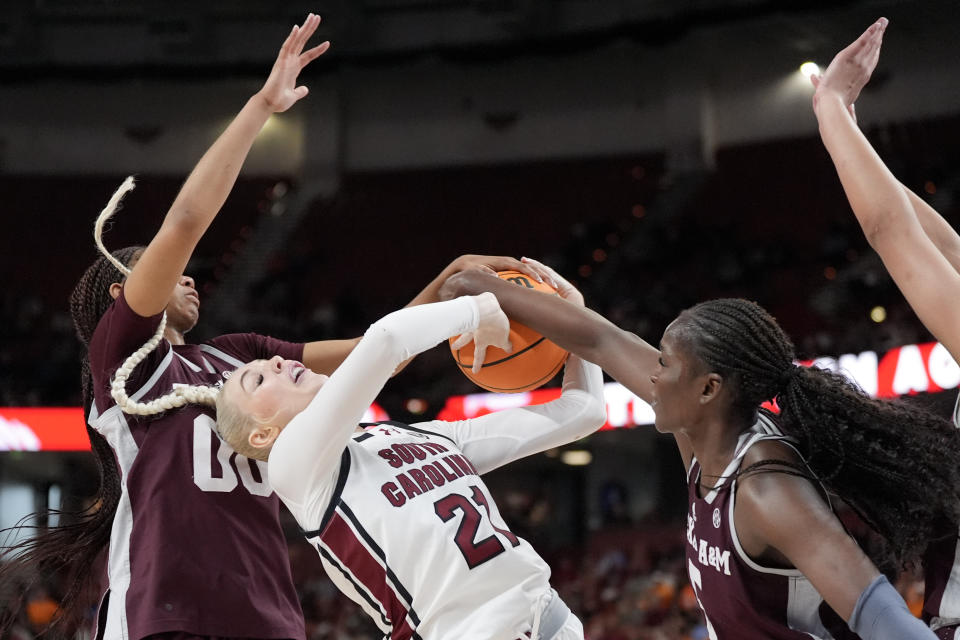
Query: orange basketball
{"type": "Point", "coordinates": [533, 362]}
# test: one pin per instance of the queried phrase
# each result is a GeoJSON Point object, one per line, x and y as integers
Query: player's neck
{"type": "Point", "coordinates": [714, 448]}
{"type": "Point", "coordinates": [173, 336]}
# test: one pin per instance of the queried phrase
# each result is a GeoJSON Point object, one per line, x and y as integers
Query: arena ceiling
{"type": "Point", "coordinates": [184, 37]}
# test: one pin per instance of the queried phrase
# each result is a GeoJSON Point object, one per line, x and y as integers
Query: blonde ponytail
{"type": "Point", "coordinates": [105, 215]}
{"type": "Point", "coordinates": [180, 396]}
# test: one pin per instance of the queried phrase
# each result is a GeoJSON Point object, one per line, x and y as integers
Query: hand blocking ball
{"type": "Point", "coordinates": [534, 360]}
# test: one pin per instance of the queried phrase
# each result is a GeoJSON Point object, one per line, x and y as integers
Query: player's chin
{"type": "Point", "coordinates": [184, 318]}
{"type": "Point", "coordinates": [661, 423]}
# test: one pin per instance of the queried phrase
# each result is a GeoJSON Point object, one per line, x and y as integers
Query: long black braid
{"type": "Point", "coordinates": [73, 549]}
{"type": "Point", "coordinates": [895, 464]}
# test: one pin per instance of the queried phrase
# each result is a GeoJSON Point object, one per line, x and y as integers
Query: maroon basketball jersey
{"type": "Point", "coordinates": [196, 544]}
{"type": "Point", "coordinates": [741, 599]}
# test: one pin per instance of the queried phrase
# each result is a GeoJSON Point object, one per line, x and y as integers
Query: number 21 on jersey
{"type": "Point", "coordinates": [474, 551]}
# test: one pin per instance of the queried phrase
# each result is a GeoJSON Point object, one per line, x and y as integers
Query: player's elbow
{"type": "Point", "coordinates": [591, 413]}
{"type": "Point", "coordinates": [186, 223]}
{"type": "Point", "coordinates": [877, 230]}
{"type": "Point", "coordinates": [596, 413]}
{"type": "Point", "coordinates": [884, 226]}
{"type": "Point", "coordinates": [384, 336]}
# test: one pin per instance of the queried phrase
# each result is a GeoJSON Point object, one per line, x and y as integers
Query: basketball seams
{"type": "Point", "coordinates": [527, 387]}
{"type": "Point", "coordinates": [496, 362]}
{"type": "Point", "coordinates": [528, 367]}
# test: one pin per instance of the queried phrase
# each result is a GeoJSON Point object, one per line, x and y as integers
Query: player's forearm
{"type": "Point", "coordinates": [881, 614]}
{"type": "Point", "coordinates": [574, 328]}
{"type": "Point", "coordinates": [324, 356]}
{"type": "Point", "coordinates": [941, 234]}
{"type": "Point", "coordinates": [212, 179]}
{"type": "Point", "coordinates": [580, 375]}
{"type": "Point", "coordinates": [875, 195]}
{"type": "Point", "coordinates": [312, 443]}
{"type": "Point", "coordinates": [149, 287]}
{"type": "Point", "coordinates": [581, 408]}
{"type": "Point", "coordinates": [431, 292]}
{"type": "Point", "coordinates": [496, 439]}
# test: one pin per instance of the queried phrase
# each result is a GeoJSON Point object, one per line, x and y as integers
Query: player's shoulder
{"type": "Point", "coordinates": [235, 340]}
{"type": "Point", "coordinates": [433, 429]}
{"type": "Point", "coordinates": [774, 473]}
{"type": "Point", "coordinates": [772, 449]}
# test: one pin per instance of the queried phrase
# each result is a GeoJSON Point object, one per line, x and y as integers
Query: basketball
{"type": "Point", "coordinates": [533, 362]}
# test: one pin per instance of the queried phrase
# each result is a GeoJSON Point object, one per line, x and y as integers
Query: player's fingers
{"type": "Point", "coordinates": [815, 80]}
{"type": "Point", "coordinates": [552, 277]}
{"type": "Point", "coordinates": [875, 57]}
{"type": "Point", "coordinates": [872, 36]}
{"type": "Point", "coordinates": [867, 36]}
{"type": "Point", "coordinates": [288, 43]}
{"type": "Point", "coordinates": [540, 268]}
{"type": "Point", "coordinates": [310, 55]}
{"type": "Point", "coordinates": [479, 353]}
{"type": "Point", "coordinates": [872, 47]}
{"type": "Point", "coordinates": [312, 28]}
{"type": "Point", "coordinates": [522, 267]}
{"type": "Point", "coordinates": [463, 340]}
{"type": "Point", "coordinates": [304, 33]}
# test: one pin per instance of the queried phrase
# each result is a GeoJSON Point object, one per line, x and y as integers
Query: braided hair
{"type": "Point", "coordinates": [73, 549]}
{"type": "Point", "coordinates": [895, 464]}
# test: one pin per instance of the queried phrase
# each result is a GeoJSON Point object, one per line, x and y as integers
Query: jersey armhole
{"type": "Point", "coordinates": [335, 497]}
{"type": "Point", "coordinates": [750, 562]}
{"type": "Point", "coordinates": [401, 425]}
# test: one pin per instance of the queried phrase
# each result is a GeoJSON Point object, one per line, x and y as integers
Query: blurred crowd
{"type": "Point", "coordinates": [626, 583]}
{"type": "Point", "coordinates": [642, 242]}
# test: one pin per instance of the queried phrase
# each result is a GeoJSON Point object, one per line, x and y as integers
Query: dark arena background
{"type": "Point", "coordinates": [656, 152]}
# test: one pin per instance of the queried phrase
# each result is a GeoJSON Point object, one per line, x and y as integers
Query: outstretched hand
{"type": "Point", "coordinates": [493, 329]}
{"type": "Point", "coordinates": [491, 265]}
{"type": "Point", "coordinates": [566, 290]}
{"type": "Point", "coordinates": [280, 91]}
{"type": "Point", "coordinates": [850, 70]}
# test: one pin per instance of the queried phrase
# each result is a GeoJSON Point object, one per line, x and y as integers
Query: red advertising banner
{"type": "Point", "coordinates": [62, 428]}
{"type": "Point", "coordinates": [909, 369]}
{"type": "Point", "coordinates": [42, 429]}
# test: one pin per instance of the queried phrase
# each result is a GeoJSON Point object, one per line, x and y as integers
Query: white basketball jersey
{"type": "Point", "coordinates": [409, 531]}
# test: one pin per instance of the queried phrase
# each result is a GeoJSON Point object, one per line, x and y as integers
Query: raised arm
{"type": "Point", "coordinates": [913, 244]}
{"type": "Point", "coordinates": [941, 234]}
{"type": "Point", "coordinates": [149, 287]}
{"type": "Point", "coordinates": [309, 447]}
{"type": "Point", "coordinates": [624, 356]}
{"type": "Point", "coordinates": [582, 332]}
{"type": "Point", "coordinates": [324, 356]}
{"type": "Point", "coordinates": [496, 439]}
